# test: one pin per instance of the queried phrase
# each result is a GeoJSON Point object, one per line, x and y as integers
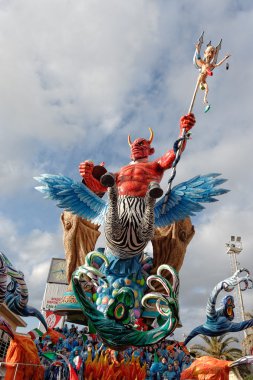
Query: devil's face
{"type": "Point", "coordinates": [140, 148]}
{"type": "Point", "coordinates": [229, 307]}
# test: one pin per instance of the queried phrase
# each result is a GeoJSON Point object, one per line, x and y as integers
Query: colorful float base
{"type": "Point", "coordinates": [117, 322]}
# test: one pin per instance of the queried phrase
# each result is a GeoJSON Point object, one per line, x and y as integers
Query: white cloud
{"type": "Point", "coordinates": [31, 253]}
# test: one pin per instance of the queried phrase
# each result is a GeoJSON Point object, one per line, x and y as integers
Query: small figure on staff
{"type": "Point", "coordinates": [206, 65]}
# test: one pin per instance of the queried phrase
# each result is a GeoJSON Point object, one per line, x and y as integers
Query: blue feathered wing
{"type": "Point", "coordinates": [73, 196]}
{"type": "Point", "coordinates": [185, 199]}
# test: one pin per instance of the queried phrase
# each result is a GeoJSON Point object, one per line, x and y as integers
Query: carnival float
{"type": "Point", "coordinates": [126, 296]}
{"type": "Point", "coordinates": [116, 285]}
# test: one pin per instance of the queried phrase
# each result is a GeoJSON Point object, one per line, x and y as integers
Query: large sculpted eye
{"type": "Point", "coordinates": [140, 143]}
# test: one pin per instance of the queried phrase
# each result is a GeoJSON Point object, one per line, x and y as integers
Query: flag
{"type": "Point", "coordinates": [35, 333]}
{"type": "Point", "coordinates": [72, 372]}
{"type": "Point", "coordinates": [50, 355]}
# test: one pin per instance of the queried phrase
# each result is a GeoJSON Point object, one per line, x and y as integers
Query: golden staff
{"type": "Point", "coordinates": [206, 67]}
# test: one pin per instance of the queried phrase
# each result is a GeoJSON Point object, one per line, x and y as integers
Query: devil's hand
{"type": "Point", "coordinates": [187, 122]}
{"type": "Point", "coordinates": [85, 169]}
{"type": "Point", "coordinates": [86, 172]}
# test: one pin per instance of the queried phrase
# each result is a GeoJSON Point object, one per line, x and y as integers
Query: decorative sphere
{"type": "Point", "coordinates": [98, 301]}
{"type": "Point", "coordinates": [99, 289]}
{"type": "Point", "coordinates": [116, 284]}
{"type": "Point", "coordinates": [105, 301]}
{"type": "Point", "coordinates": [94, 297]}
{"type": "Point", "coordinates": [115, 292]}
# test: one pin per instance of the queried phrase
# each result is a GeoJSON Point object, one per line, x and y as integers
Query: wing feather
{"type": "Point", "coordinates": [185, 199]}
{"type": "Point", "coordinates": [72, 196]}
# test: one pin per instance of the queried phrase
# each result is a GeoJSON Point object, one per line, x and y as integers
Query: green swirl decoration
{"type": "Point", "coordinates": [115, 327]}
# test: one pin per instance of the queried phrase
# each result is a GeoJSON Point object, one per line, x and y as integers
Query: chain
{"type": "Point", "coordinates": [177, 147]}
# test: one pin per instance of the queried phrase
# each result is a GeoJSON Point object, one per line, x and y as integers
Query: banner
{"type": "Point", "coordinates": [55, 288]}
{"type": "Point", "coordinates": [53, 295]}
{"type": "Point", "coordinates": [53, 320]}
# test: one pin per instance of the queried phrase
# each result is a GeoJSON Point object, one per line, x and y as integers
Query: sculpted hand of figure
{"type": "Point", "coordinates": [85, 168]}
{"type": "Point", "coordinates": [187, 122]}
{"type": "Point", "coordinates": [91, 176]}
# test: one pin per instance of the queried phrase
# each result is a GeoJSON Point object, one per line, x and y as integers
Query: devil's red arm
{"type": "Point", "coordinates": [85, 170]}
{"type": "Point", "coordinates": [186, 124]}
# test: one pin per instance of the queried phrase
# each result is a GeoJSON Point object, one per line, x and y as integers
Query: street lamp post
{"type": "Point", "coordinates": [234, 248]}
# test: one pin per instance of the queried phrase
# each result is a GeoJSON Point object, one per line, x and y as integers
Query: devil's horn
{"type": "Point", "coordinates": [151, 135]}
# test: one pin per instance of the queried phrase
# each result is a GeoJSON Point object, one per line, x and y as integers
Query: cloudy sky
{"type": "Point", "coordinates": [78, 76]}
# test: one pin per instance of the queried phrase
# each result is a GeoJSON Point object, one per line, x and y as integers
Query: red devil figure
{"type": "Point", "coordinates": [132, 193]}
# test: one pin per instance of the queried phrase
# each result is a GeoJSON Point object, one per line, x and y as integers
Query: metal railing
{"type": "Point", "coordinates": [17, 365]}
{"type": "Point", "coordinates": [4, 344]}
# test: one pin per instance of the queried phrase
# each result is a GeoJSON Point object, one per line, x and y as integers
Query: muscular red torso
{"type": "Point", "coordinates": [134, 179]}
